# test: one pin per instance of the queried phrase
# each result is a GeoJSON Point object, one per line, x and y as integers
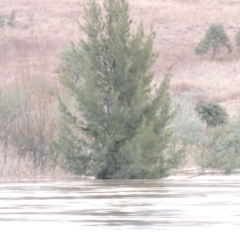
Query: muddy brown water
{"type": "Point", "coordinates": [117, 207]}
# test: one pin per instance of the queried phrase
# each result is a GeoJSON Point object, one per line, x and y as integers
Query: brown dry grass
{"type": "Point", "coordinates": [180, 24]}
{"type": "Point", "coordinates": [23, 167]}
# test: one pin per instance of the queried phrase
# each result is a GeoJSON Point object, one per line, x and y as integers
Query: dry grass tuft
{"type": "Point", "coordinates": [23, 167]}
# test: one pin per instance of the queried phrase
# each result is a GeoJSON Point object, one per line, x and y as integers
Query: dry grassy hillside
{"type": "Point", "coordinates": [43, 28]}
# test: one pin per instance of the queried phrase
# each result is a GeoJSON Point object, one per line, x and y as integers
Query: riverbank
{"type": "Point", "coordinates": [207, 177]}
{"type": "Point", "coordinates": [196, 173]}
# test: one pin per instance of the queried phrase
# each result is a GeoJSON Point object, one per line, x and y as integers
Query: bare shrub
{"type": "Point", "coordinates": [27, 121]}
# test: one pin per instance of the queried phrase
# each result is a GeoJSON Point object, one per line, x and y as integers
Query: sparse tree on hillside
{"type": "Point", "coordinates": [237, 38]}
{"type": "Point", "coordinates": [11, 19]}
{"type": "Point", "coordinates": [214, 39]}
{"type": "Point", "coordinates": [116, 125]}
{"type": "Point", "coordinates": [2, 21]}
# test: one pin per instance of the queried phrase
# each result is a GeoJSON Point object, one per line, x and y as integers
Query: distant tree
{"type": "Point", "coordinates": [237, 38]}
{"type": "Point", "coordinates": [11, 19]}
{"type": "Point", "coordinates": [2, 21]}
{"type": "Point", "coordinates": [116, 125]}
{"type": "Point", "coordinates": [214, 39]}
{"type": "Point", "coordinates": [212, 113]}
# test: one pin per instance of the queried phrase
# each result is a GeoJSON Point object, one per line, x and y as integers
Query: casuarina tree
{"type": "Point", "coordinates": [116, 123]}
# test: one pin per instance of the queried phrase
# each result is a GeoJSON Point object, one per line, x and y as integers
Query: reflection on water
{"type": "Point", "coordinates": [122, 205]}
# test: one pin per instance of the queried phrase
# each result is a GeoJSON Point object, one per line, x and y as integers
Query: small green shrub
{"type": "Point", "coordinates": [212, 113]}
{"type": "Point", "coordinates": [187, 126]}
{"type": "Point", "coordinates": [214, 39]}
{"type": "Point", "coordinates": [219, 149]}
{"type": "Point", "coordinates": [216, 148]}
{"type": "Point", "coordinates": [2, 21]}
{"type": "Point", "coordinates": [237, 38]}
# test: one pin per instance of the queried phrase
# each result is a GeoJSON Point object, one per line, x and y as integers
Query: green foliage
{"type": "Point", "coordinates": [220, 149]}
{"type": "Point", "coordinates": [115, 128]}
{"type": "Point", "coordinates": [2, 21]}
{"type": "Point", "coordinates": [71, 65]}
{"type": "Point", "coordinates": [214, 39]}
{"type": "Point", "coordinates": [187, 126]}
{"type": "Point", "coordinates": [237, 38]}
{"type": "Point", "coordinates": [212, 113]}
{"type": "Point", "coordinates": [216, 148]}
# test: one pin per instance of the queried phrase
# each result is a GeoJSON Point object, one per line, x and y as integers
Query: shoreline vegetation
{"type": "Point", "coordinates": [36, 38]}
{"type": "Point", "coordinates": [16, 168]}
